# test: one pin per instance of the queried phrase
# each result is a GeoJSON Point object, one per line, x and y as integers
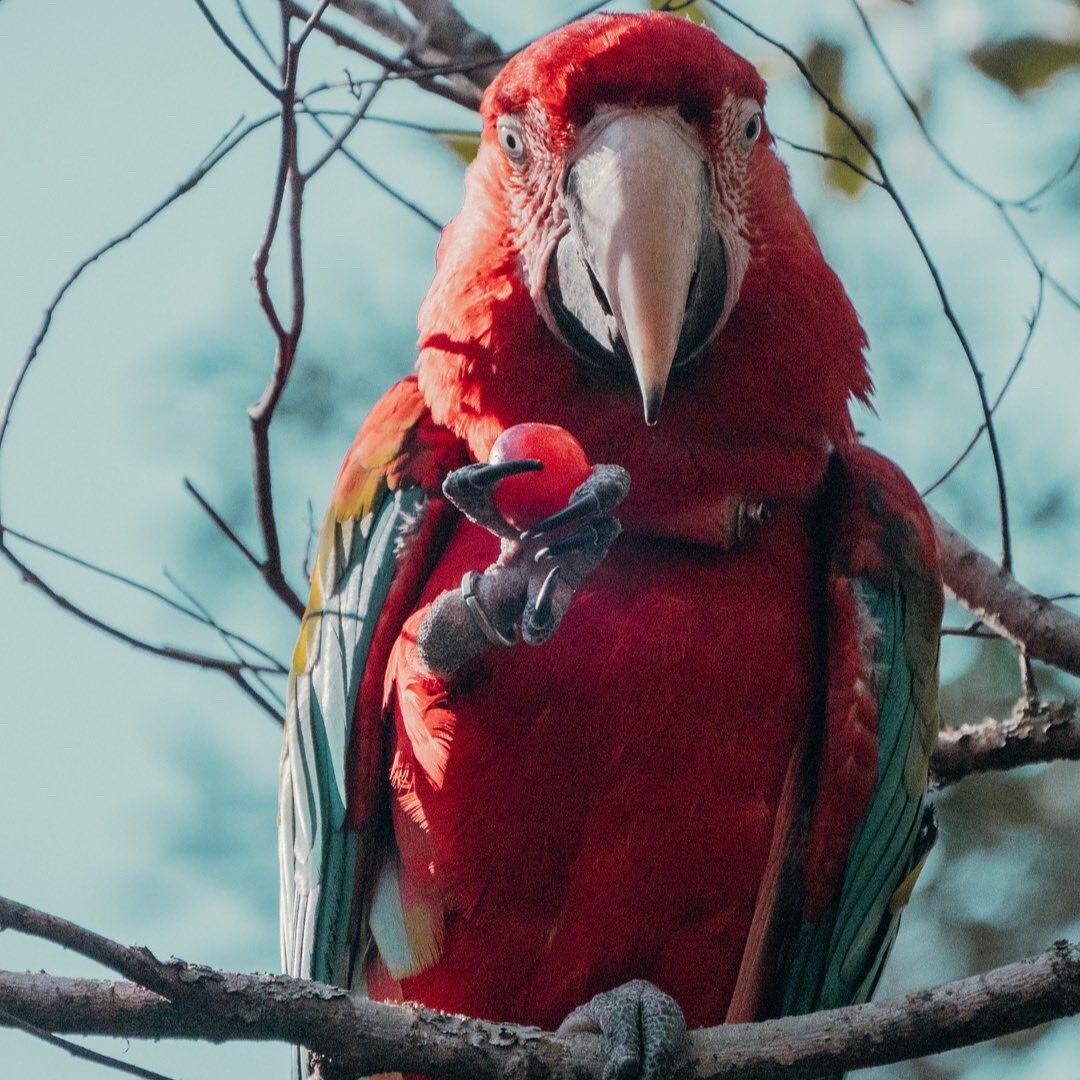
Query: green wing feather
{"type": "Point", "coordinates": [838, 959]}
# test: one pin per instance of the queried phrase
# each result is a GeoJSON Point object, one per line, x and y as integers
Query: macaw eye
{"type": "Point", "coordinates": [511, 137]}
{"type": "Point", "coordinates": [751, 131]}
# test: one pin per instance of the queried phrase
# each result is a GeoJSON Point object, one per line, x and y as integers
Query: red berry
{"type": "Point", "coordinates": [526, 498]}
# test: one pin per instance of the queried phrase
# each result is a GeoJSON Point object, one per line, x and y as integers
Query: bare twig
{"type": "Point", "coordinates": [218, 154]}
{"type": "Point", "coordinates": [235, 49]}
{"type": "Point", "coordinates": [339, 37]}
{"type": "Point", "coordinates": [1021, 356]}
{"type": "Point", "coordinates": [312, 536]}
{"type": "Point", "coordinates": [827, 155]}
{"type": "Point", "coordinates": [338, 141]}
{"type": "Point", "coordinates": [253, 30]}
{"type": "Point", "coordinates": [75, 1050]}
{"type": "Point", "coordinates": [275, 714]}
{"type": "Point", "coordinates": [461, 93]}
{"type": "Point", "coordinates": [222, 524]}
{"type": "Point", "coordinates": [1027, 202]}
{"type": "Point", "coordinates": [112, 575]}
{"type": "Point", "coordinates": [261, 413]}
{"type": "Point", "coordinates": [374, 177]}
{"type": "Point", "coordinates": [267, 707]}
{"type": "Point", "coordinates": [167, 652]}
{"type": "Point", "coordinates": [1001, 205]}
{"type": "Point", "coordinates": [370, 1037]}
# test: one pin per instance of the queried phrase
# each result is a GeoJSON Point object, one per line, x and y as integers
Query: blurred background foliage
{"type": "Point", "coordinates": [138, 798]}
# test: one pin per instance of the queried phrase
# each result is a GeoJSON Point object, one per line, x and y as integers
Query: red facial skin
{"type": "Point", "coordinates": [526, 498]}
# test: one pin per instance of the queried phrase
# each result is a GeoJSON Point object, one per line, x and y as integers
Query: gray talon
{"type": "Point", "coordinates": [575, 511]}
{"type": "Point", "coordinates": [597, 534]}
{"type": "Point", "coordinates": [599, 495]}
{"type": "Point", "coordinates": [472, 487]}
{"type": "Point", "coordinates": [582, 538]}
{"type": "Point", "coordinates": [523, 588]}
{"type": "Point", "coordinates": [545, 597]}
{"type": "Point", "coordinates": [644, 1029]}
{"type": "Point", "coordinates": [485, 476]}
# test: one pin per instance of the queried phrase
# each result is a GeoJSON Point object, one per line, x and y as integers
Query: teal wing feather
{"type": "Point", "coordinates": [318, 853]}
{"type": "Point", "coordinates": [887, 562]}
{"type": "Point", "coordinates": [385, 525]}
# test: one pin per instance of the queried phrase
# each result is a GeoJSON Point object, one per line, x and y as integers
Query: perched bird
{"type": "Point", "coordinates": [661, 760]}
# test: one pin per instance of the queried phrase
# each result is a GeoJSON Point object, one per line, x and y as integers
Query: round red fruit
{"type": "Point", "coordinates": [528, 497]}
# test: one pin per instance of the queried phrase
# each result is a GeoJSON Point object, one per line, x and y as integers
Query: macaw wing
{"type": "Point", "coordinates": [871, 828]}
{"type": "Point", "coordinates": [385, 525]}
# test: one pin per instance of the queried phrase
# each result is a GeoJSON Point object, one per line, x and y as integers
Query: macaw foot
{"type": "Point", "coordinates": [643, 1027]}
{"type": "Point", "coordinates": [525, 593]}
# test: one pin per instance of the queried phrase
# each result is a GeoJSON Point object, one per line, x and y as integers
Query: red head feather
{"type": "Point", "coordinates": [757, 415]}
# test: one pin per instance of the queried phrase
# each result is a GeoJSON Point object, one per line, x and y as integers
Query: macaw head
{"type": "Point", "coordinates": [629, 240]}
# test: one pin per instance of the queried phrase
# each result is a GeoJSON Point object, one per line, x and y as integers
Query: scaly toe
{"type": "Point", "coordinates": [472, 488]}
{"type": "Point", "coordinates": [644, 1029]}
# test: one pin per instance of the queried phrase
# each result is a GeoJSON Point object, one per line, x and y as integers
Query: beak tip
{"type": "Point", "coordinates": [652, 403]}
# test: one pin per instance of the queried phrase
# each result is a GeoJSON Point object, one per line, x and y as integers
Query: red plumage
{"type": "Point", "coordinates": [602, 807]}
{"type": "Point", "coordinates": [606, 805]}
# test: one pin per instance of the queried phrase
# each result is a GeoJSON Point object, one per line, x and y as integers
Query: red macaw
{"type": "Point", "coordinates": [683, 778]}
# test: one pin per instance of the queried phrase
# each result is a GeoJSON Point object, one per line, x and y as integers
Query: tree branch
{"type": "Point", "coordinates": [446, 30]}
{"type": "Point", "coordinates": [261, 413]}
{"type": "Point", "coordinates": [75, 1050]}
{"type": "Point", "coordinates": [1001, 205]}
{"type": "Point", "coordinates": [369, 1037]}
{"type": "Point", "coordinates": [1034, 624]}
{"type": "Point", "coordinates": [235, 49]}
{"type": "Point", "coordinates": [1048, 732]}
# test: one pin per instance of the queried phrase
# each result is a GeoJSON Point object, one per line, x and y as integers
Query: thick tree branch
{"type": "Point", "coordinates": [1036, 625]}
{"type": "Point", "coordinates": [181, 1000]}
{"type": "Point", "coordinates": [1049, 732]}
{"type": "Point", "coordinates": [447, 31]}
{"type": "Point", "coordinates": [456, 86]}
{"type": "Point", "coordinates": [373, 1037]}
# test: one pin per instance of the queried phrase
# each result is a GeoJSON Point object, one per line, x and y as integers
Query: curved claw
{"type": "Point", "coordinates": [575, 511]}
{"type": "Point", "coordinates": [545, 598]}
{"type": "Point", "coordinates": [485, 476]}
{"type": "Point", "coordinates": [595, 534]}
{"type": "Point", "coordinates": [471, 489]}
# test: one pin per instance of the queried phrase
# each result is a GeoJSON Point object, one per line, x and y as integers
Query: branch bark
{"type": "Point", "coordinates": [178, 1000]}
{"type": "Point", "coordinates": [1034, 624]}
{"type": "Point", "coordinates": [1049, 732]}
{"type": "Point", "coordinates": [367, 1036]}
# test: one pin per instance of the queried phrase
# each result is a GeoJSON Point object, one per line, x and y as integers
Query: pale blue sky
{"type": "Point", "coordinates": [138, 797]}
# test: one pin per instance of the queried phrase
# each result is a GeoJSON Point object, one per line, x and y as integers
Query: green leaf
{"type": "Point", "coordinates": [1027, 63]}
{"type": "Point", "coordinates": [463, 144]}
{"type": "Point", "coordinates": [826, 63]}
{"type": "Point", "coordinates": [840, 140]}
{"type": "Point", "coordinates": [692, 11]}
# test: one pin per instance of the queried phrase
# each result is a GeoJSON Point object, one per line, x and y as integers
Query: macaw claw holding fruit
{"type": "Point", "coordinates": [538, 479]}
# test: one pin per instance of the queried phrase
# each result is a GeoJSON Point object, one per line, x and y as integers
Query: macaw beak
{"type": "Point", "coordinates": [639, 279]}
